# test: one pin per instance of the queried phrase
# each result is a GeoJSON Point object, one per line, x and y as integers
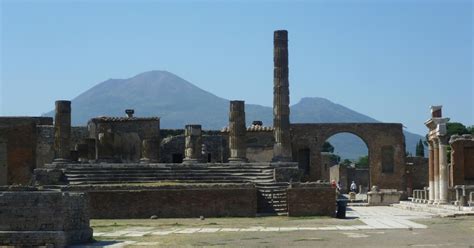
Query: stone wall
{"type": "Point", "coordinates": [215, 149]}
{"type": "Point", "coordinates": [417, 173]}
{"type": "Point", "coordinates": [20, 136]}
{"type": "Point", "coordinates": [260, 141]}
{"type": "Point", "coordinates": [385, 142]}
{"type": "Point", "coordinates": [311, 199]}
{"type": "Point", "coordinates": [38, 218]}
{"type": "Point", "coordinates": [191, 201]}
{"type": "Point", "coordinates": [45, 142]}
{"type": "Point", "coordinates": [461, 171]}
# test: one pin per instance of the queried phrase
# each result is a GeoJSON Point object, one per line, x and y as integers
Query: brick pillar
{"type": "Point", "coordinates": [62, 132]}
{"type": "Point", "coordinates": [150, 150]}
{"type": "Point", "coordinates": [431, 171]}
{"type": "Point", "coordinates": [193, 144]}
{"type": "Point", "coordinates": [281, 98]}
{"type": "Point", "coordinates": [237, 132]}
{"type": "Point", "coordinates": [436, 170]}
{"type": "Point", "coordinates": [443, 170]}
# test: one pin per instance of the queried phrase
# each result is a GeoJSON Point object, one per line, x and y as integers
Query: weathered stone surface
{"type": "Point", "coordinates": [210, 201]}
{"type": "Point", "coordinates": [281, 97]}
{"type": "Point", "coordinates": [310, 199]}
{"type": "Point", "coordinates": [237, 132]}
{"type": "Point", "coordinates": [62, 131]}
{"type": "Point", "coordinates": [119, 139]}
{"type": "Point", "coordinates": [462, 160]}
{"type": "Point", "coordinates": [20, 136]}
{"type": "Point", "coordinates": [383, 197]}
{"type": "Point", "coordinates": [375, 136]}
{"type": "Point", "coordinates": [35, 218]}
{"type": "Point", "coordinates": [193, 144]}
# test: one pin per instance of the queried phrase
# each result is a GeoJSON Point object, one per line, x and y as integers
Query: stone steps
{"type": "Point", "coordinates": [272, 198]}
{"type": "Point", "coordinates": [145, 173]}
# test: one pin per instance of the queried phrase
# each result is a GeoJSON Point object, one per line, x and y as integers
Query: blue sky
{"type": "Point", "coordinates": [390, 60]}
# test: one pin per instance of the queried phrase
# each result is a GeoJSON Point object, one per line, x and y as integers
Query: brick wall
{"type": "Point", "coordinates": [311, 199]}
{"type": "Point", "coordinates": [192, 202]}
{"type": "Point", "coordinates": [35, 218]}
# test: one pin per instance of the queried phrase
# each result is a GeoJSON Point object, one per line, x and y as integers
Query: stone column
{"type": "Point", "coordinates": [436, 170]}
{"type": "Point", "coordinates": [281, 98]}
{"type": "Point", "coordinates": [150, 150]}
{"type": "Point", "coordinates": [62, 132]}
{"type": "Point", "coordinates": [237, 132]}
{"type": "Point", "coordinates": [431, 172]}
{"type": "Point", "coordinates": [443, 170]}
{"type": "Point", "coordinates": [193, 144]}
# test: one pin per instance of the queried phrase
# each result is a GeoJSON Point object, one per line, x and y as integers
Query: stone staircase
{"type": "Point", "coordinates": [78, 174]}
{"type": "Point", "coordinates": [272, 198]}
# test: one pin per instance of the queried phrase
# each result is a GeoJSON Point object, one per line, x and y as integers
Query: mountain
{"type": "Point", "coordinates": [179, 102]}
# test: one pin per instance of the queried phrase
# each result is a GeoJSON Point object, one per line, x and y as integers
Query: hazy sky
{"type": "Point", "coordinates": [390, 60]}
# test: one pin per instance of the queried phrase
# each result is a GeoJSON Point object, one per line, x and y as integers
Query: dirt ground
{"type": "Point", "coordinates": [441, 232]}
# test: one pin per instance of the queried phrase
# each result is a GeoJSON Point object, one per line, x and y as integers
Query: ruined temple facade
{"type": "Point", "coordinates": [131, 139]}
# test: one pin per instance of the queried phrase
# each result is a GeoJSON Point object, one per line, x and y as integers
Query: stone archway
{"type": "Point", "coordinates": [385, 143]}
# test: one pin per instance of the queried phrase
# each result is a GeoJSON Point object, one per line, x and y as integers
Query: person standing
{"type": "Point", "coordinates": [353, 187]}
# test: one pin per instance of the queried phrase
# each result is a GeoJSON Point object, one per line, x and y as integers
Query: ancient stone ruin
{"type": "Point", "coordinates": [236, 171]}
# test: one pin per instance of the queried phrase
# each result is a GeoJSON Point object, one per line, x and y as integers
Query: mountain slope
{"type": "Point", "coordinates": [178, 102]}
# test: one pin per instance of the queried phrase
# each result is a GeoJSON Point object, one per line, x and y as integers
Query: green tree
{"type": "Point", "coordinates": [346, 162]}
{"type": "Point", "coordinates": [327, 147]}
{"type": "Point", "coordinates": [471, 129]}
{"type": "Point", "coordinates": [456, 128]}
{"type": "Point", "coordinates": [420, 149]}
{"type": "Point", "coordinates": [363, 162]}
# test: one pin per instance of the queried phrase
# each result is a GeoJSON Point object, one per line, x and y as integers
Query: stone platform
{"type": "Point", "coordinates": [440, 210]}
{"type": "Point", "coordinates": [43, 218]}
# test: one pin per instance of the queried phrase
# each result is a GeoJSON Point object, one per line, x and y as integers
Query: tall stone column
{"type": "Point", "coordinates": [62, 132]}
{"type": "Point", "coordinates": [193, 144]}
{"type": "Point", "coordinates": [281, 98]}
{"type": "Point", "coordinates": [431, 171]}
{"type": "Point", "coordinates": [443, 170]}
{"type": "Point", "coordinates": [436, 170]}
{"type": "Point", "coordinates": [237, 132]}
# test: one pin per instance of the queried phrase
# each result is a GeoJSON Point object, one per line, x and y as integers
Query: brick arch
{"type": "Point", "coordinates": [375, 135]}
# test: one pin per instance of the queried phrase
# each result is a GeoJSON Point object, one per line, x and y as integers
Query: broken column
{"type": "Point", "coordinates": [193, 144]}
{"type": "Point", "coordinates": [281, 98]}
{"type": "Point", "coordinates": [150, 150]}
{"type": "Point", "coordinates": [237, 132]}
{"type": "Point", "coordinates": [62, 132]}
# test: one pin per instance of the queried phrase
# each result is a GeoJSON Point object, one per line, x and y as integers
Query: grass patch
{"type": "Point", "coordinates": [309, 239]}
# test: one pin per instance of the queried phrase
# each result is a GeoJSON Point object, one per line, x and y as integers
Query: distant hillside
{"type": "Point", "coordinates": [179, 102]}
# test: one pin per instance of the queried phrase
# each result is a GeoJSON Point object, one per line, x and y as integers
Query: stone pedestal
{"type": "Point", "coordinates": [193, 144]}
{"type": "Point", "coordinates": [237, 132]}
{"type": "Point", "coordinates": [62, 132]}
{"type": "Point", "coordinates": [281, 98]}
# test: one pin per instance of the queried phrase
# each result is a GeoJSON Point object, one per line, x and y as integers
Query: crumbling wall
{"type": "Point", "coordinates": [184, 201]}
{"type": "Point", "coordinates": [311, 199]}
{"type": "Point", "coordinates": [38, 218]}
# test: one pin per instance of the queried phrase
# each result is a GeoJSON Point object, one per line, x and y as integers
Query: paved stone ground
{"type": "Point", "coordinates": [367, 226]}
